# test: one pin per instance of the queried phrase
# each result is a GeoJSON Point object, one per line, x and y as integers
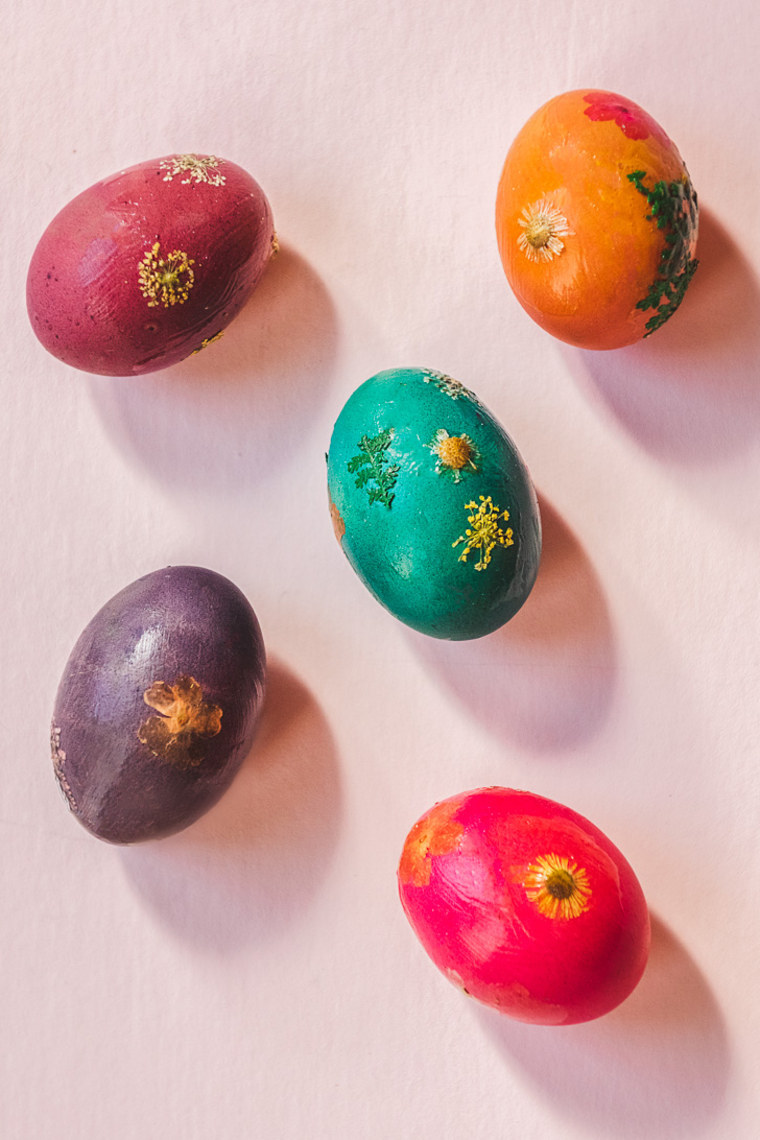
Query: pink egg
{"type": "Point", "coordinates": [149, 265]}
{"type": "Point", "coordinates": [525, 905]}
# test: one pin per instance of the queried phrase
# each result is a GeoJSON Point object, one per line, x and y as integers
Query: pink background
{"type": "Point", "coordinates": [254, 978]}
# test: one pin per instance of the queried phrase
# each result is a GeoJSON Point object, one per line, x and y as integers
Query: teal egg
{"type": "Point", "coordinates": [432, 504]}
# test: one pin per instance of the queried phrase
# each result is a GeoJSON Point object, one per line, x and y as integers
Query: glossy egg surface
{"type": "Point", "coordinates": [525, 905]}
{"type": "Point", "coordinates": [158, 704]}
{"type": "Point", "coordinates": [149, 265]}
{"type": "Point", "coordinates": [432, 504]}
{"type": "Point", "coordinates": [596, 220]}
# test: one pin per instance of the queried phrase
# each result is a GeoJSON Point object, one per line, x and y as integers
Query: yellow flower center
{"type": "Point", "coordinates": [454, 451]}
{"type": "Point", "coordinates": [165, 280]}
{"type": "Point", "coordinates": [559, 888]}
{"type": "Point", "coordinates": [538, 232]}
{"type": "Point", "coordinates": [560, 884]}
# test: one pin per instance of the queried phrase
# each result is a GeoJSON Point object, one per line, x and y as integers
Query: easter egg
{"type": "Point", "coordinates": [432, 504]}
{"type": "Point", "coordinates": [149, 265]}
{"type": "Point", "coordinates": [158, 703]}
{"type": "Point", "coordinates": [596, 220]}
{"type": "Point", "coordinates": [525, 905]}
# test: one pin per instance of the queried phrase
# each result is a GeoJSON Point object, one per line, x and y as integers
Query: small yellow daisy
{"type": "Point", "coordinates": [558, 887]}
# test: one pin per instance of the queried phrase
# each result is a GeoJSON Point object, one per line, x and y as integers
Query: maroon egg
{"type": "Point", "coordinates": [149, 265]}
{"type": "Point", "coordinates": [158, 704]}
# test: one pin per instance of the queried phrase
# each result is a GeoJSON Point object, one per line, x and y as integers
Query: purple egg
{"type": "Point", "coordinates": [158, 704]}
{"type": "Point", "coordinates": [150, 265]}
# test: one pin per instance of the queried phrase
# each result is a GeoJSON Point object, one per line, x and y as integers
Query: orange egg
{"type": "Point", "coordinates": [596, 220]}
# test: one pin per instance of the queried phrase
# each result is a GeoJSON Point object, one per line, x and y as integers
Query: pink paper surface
{"type": "Point", "coordinates": [254, 978]}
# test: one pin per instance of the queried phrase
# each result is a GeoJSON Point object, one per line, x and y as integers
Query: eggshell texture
{"type": "Point", "coordinates": [596, 220]}
{"type": "Point", "coordinates": [158, 704]}
{"type": "Point", "coordinates": [149, 265]}
{"type": "Point", "coordinates": [432, 504]}
{"type": "Point", "coordinates": [525, 905]}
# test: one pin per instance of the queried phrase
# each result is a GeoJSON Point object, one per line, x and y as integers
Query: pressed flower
{"type": "Point", "coordinates": [543, 228]}
{"type": "Point", "coordinates": [455, 454]}
{"type": "Point", "coordinates": [165, 280]}
{"type": "Point", "coordinates": [437, 833]}
{"type": "Point", "coordinates": [674, 210]}
{"type": "Point", "coordinates": [558, 887]}
{"type": "Point", "coordinates": [196, 167]}
{"type": "Point", "coordinates": [633, 121]}
{"type": "Point", "coordinates": [447, 384]}
{"type": "Point", "coordinates": [484, 532]}
{"type": "Point", "coordinates": [371, 466]}
{"type": "Point", "coordinates": [185, 721]}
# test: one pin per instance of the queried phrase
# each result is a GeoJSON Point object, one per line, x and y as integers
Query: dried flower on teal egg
{"type": "Point", "coordinates": [456, 455]}
{"type": "Point", "coordinates": [484, 532]}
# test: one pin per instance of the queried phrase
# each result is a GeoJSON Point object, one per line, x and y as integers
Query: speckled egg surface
{"type": "Point", "coordinates": [432, 504]}
{"type": "Point", "coordinates": [149, 265]}
{"type": "Point", "coordinates": [158, 704]}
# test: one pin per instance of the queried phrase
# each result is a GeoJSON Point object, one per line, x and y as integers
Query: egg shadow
{"type": "Point", "coordinates": [248, 868]}
{"type": "Point", "coordinates": [230, 415]}
{"type": "Point", "coordinates": [656, 1067]}
{"type": "Point", "coordinates": [691, 392]}
{"type": "Point", "coordinates": [545, 679]}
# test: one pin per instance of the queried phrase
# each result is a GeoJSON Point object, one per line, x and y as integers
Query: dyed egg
{"type": "Point", "coordinates": [596, 220]}
{"type": "Point", "coordinates": [158, 703]}
{"type": "Point", "coordinates": [525, 905]}
{"type": "Point", "coordinates": [432, 504]}
{"type": "Point", "coordinates": [150, 265]}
